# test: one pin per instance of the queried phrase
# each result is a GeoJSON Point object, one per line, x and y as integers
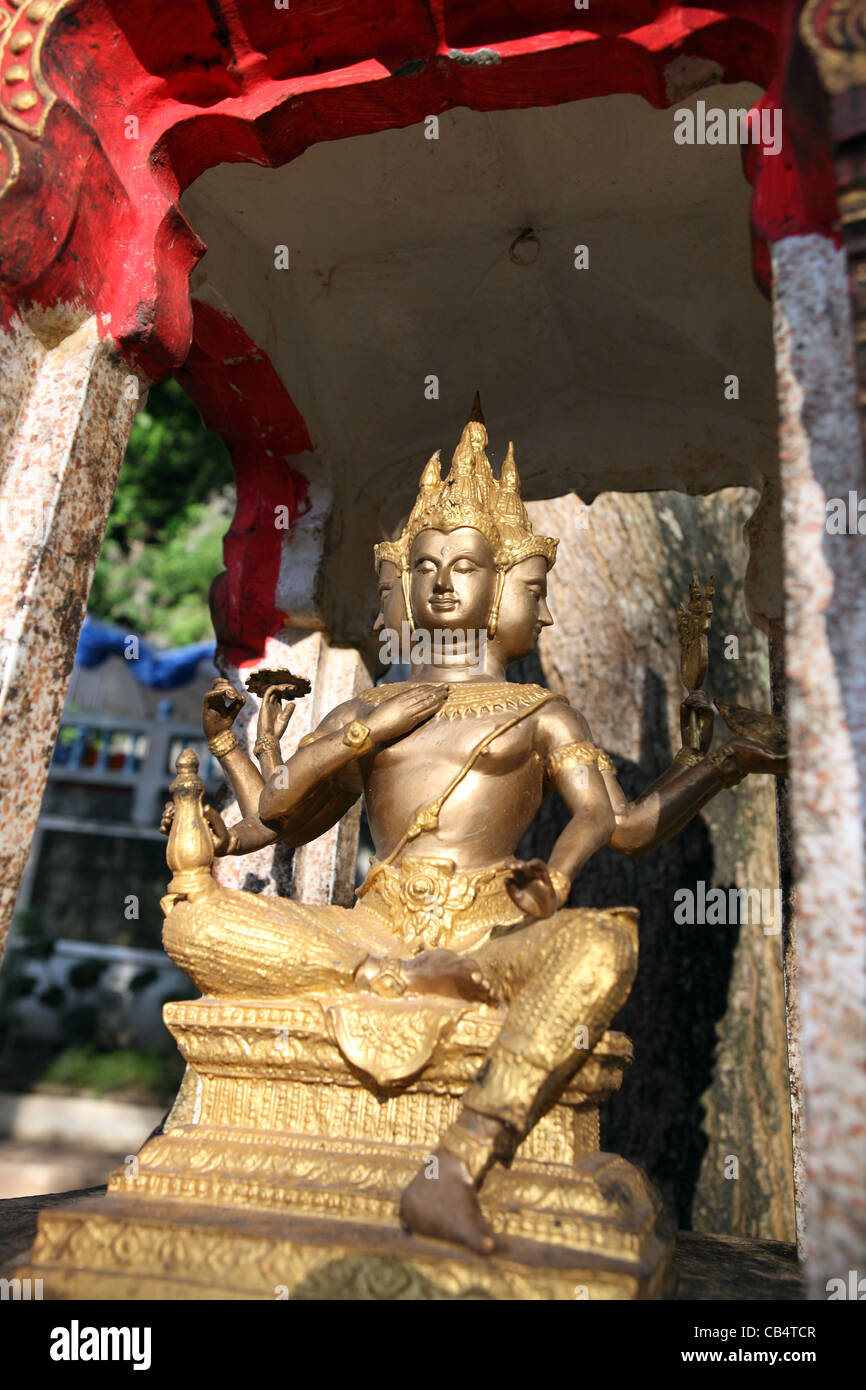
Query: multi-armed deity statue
{"type": "Point", "coordinates": [409, 1089]}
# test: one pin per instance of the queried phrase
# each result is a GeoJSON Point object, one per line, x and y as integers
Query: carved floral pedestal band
{"type": "Point", "coordinates": [281, 1166]}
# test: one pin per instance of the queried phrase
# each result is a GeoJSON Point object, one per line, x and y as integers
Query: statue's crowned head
{"type": "Point", "coordinates": [470, 497]}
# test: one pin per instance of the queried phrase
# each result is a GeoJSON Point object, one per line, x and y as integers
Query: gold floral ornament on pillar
{"type": "Point", "coordinates": [25, 96]}
{"type": "Point", "coordinates": [417, 1077]}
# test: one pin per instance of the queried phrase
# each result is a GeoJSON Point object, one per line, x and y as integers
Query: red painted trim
{"type": "Point", "coordinates": [151, 95]}
{"type": "Point", "coordinates": [93, 217]}
{"type": "Point", "coordinates": [795, 191]}
{"type": "Point", "coordinates": [241, 397]}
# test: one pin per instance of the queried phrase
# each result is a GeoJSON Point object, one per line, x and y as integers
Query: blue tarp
{"type": "Point", "coordinates": [164, 670]}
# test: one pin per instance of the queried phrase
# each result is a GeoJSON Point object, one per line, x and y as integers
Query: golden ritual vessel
{"type": "Point", "coordinates": [401, 1100]}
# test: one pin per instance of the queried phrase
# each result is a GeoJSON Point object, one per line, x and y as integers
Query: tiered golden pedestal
{"type": "Point", "coordinates": [279, 1172]}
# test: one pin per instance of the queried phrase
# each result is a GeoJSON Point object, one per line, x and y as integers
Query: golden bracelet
{"type": "Point", "coordinates": [268, 743]}
{"type": "Point", "coordinates": [726, 763]}
{"type": "Point", "coordinates": [688, 757]}
{"type": "Point", "coordinates": [223, 743]}
{"type": "Point", "coordinates": [561, 886]}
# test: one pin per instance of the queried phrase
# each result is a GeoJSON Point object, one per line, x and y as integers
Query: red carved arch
{"type": "Point", "coordinates": [131, 103]}
{"type": "Point", "coordinates": [145, 103]}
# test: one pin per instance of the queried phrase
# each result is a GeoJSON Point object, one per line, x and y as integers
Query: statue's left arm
{"type": "Point", "coordinates": [693, 779]}
{"type": "Point", "coordinates": [577, 768]}
{"type": "Point", "coordinates": [562, 738]}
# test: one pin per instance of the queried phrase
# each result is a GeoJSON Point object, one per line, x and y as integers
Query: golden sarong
{"type": "Point", "coordinates": [427, 902]}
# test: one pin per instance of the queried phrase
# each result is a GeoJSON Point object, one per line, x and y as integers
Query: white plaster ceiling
{"type": "Point", "coordinates": [606, 378]}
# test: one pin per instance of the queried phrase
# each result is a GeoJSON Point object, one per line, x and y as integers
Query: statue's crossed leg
{"type": "Point", "coordinates": [562, 978]}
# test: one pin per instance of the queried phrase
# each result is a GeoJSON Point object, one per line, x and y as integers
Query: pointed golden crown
{"type": "Point", "coordinates": [471, 496]}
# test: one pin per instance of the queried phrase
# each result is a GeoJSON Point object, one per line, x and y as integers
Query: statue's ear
{"type": "Point", "coordinates": [493, 619]}
{"type": "Point", "coordinates": [406, 579]}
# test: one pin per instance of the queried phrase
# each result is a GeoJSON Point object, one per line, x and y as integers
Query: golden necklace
{"type": "Point", "coordinates": [468, 697]}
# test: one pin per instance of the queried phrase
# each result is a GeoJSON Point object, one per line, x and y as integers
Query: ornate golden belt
{"type": "Point", "coordinates": [428, 902]}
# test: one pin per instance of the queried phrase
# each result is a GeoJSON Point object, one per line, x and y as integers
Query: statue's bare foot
{"type": "Point", "coordinates": [432, 972]}
{"type": "Point", "coordinates": [447, 973]}
{"type": "Point", "coordinates": [443, 1203]}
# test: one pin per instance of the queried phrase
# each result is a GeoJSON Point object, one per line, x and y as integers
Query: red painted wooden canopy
{"type": "Point", "coordinates": [109, 110]}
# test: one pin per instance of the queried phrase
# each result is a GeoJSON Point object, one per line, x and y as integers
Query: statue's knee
{"type": "Point", "coordinates": [583, 924]}
{"type": "Point", "coordinates": [605, 939]}
{"type": "Point", "coordinates": [620, 930]}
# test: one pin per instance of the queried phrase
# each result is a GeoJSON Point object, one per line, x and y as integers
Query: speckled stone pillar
{"type": "Point", "coordinates": [67, 408]}
{"type": "Point", "coordinates": [825, 641]}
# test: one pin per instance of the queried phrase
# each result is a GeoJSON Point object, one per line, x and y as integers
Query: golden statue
{"type": "Point", "coordinates": [404, 1095]}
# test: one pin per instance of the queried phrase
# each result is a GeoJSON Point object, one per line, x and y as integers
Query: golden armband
{"type": "Point", "coordinates": [311, 738]}
{"type": "Point", "coordinates": [572, 755]}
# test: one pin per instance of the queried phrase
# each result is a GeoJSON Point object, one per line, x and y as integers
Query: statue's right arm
{"type": "Point", "coordinates": [321, 781]}
{"type": "Point", "coordinates": [301, 799]}
{"type": "Point", "coordinates": [318, 807]}
{"type": "Point", "coordinates": [312, 791]}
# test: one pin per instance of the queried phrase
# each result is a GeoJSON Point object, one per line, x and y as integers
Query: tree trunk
{"type": "Point", "coordinates": [705, 1109]}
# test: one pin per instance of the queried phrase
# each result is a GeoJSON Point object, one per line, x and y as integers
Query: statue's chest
{"type": "Point", "coordinates": [450, 743]}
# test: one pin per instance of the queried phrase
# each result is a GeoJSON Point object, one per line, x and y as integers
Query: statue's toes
{"type": "Point", "coordinates": [481, 986]}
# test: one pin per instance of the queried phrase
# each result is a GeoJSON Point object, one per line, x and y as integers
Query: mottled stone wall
{"type": "Point", "coordinates": [707, 1013]}
{"type": "Point", "coordinates": [825, 641]}
{"type": "Point", "coordinates": [68, 404]}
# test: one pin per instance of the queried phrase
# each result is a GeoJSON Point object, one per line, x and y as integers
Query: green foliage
{"type": "Point", "coordinates": [82, 1069]}
{"type": "Point", "coordinates": [163, 542]}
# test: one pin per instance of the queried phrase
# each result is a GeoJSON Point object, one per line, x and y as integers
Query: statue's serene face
{"type": "Point", "coordinates": [392, 608]}
{"type": "Point", "coordinates": [453, 580]}
{"type": "Point", "coordinates": [523, 611]}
